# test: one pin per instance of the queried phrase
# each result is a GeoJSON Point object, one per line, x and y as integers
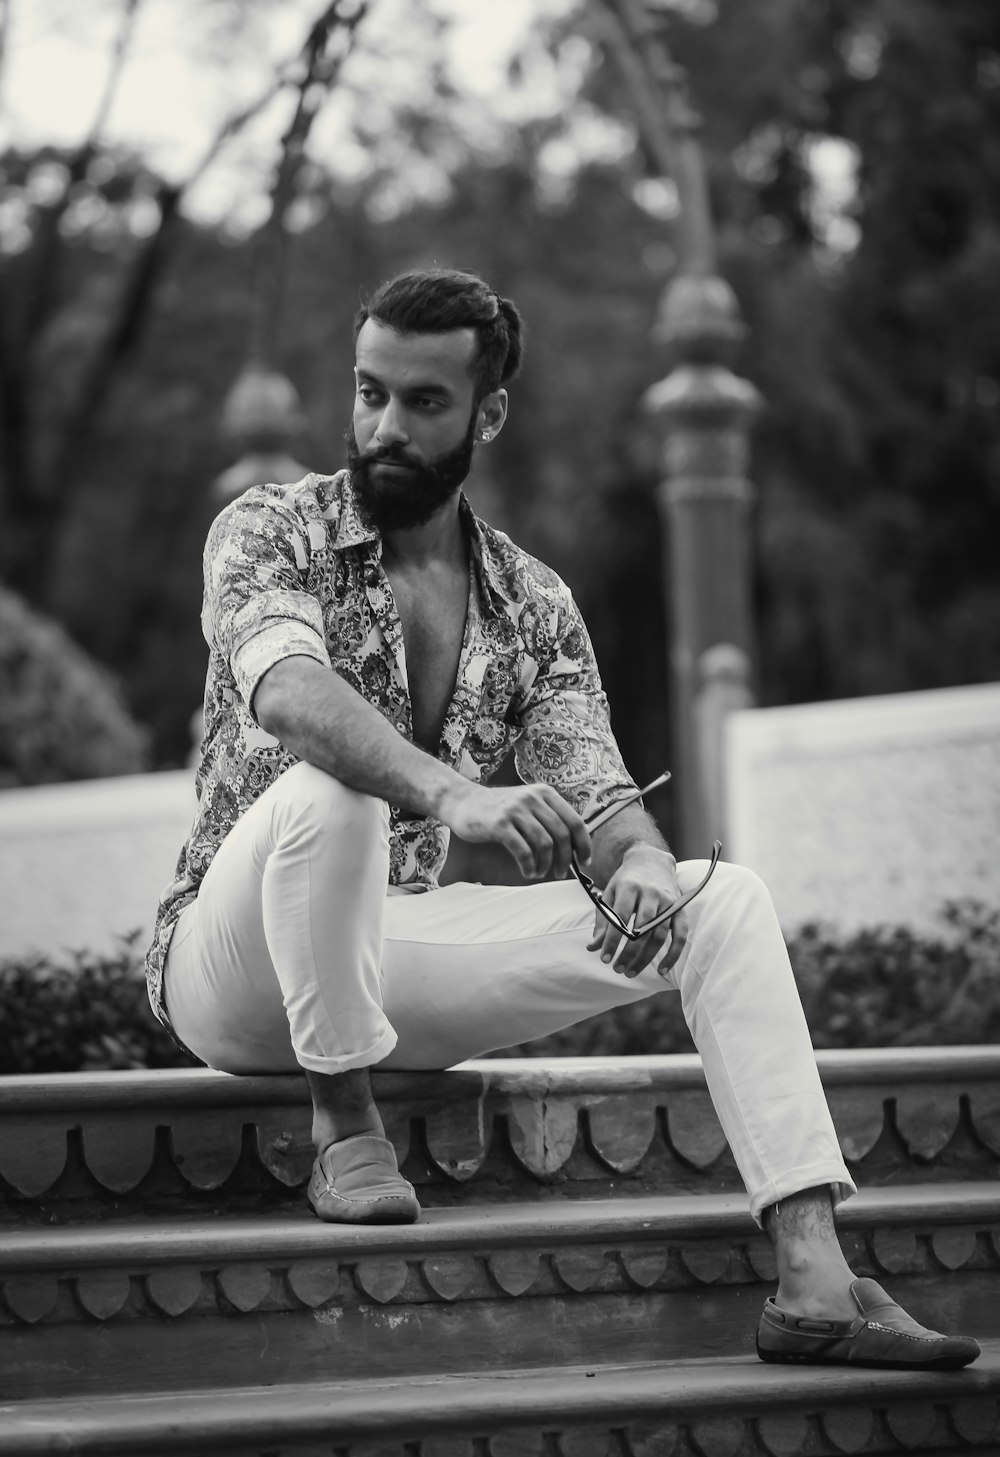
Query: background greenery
{"type": "Point", "coordinates": [874, 338]}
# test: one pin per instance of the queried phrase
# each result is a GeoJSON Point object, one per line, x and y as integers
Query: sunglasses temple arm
{"type": "Point", "coordinates": [606, 814]}
{"type": "Point", "coordinates": [689, 896]}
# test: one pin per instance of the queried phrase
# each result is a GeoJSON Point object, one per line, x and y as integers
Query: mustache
{"type": "Point", "coordinates": [389, 455]}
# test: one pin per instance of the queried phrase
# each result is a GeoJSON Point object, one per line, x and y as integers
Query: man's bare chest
{"type": "Point", "coordinates": [432, 615]}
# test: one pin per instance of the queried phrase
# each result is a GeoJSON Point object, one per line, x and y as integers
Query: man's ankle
{"type": "Point", "coordinates": [343, 1107]}
{"type": "Point", "coordinates": [814, 1278]}
{"type": "Point", "coordinates": [325, 1132]}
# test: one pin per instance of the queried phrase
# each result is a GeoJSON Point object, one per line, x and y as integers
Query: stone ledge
{"type": "Point", "coordinates": [203, 1087]}
{"type": "Point", "coordinates": [272, 1263]}
{"type": "Point", "coordinates": [726, 1407]}
{"type": "Point", "coordinates": [552, 1120]}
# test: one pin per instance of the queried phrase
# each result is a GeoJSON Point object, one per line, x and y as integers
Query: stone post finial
{"type": "Point", "coordinates": [264, 420]}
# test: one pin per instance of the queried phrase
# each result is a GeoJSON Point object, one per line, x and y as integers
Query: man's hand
{"type": "Point", "coordinates": [533, 822]}
{"type": "Point", "coordinates": [644, 884]}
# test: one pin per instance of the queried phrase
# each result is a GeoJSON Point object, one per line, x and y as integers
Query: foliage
{"type": "Point", "coordinates": [877, 324]}
{"type": "Point", "coordinates": [881, 987]}
{"type": "Point", "coordinates": [887, 986]}
{"type": "Point", "coordinates": [86, 1016]}
{"type": "Point", "coordinates": [61, 714]}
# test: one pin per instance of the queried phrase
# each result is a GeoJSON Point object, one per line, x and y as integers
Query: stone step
{"type": "Point", "coordinates": [280, 1297]}
{"type": "Point", "coordinates": [733, 1407]}
{"type": "Point", "coordinates": [77, 1145]}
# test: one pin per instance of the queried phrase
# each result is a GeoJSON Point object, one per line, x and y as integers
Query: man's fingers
{"type": "Point", "coordinates": [580, 840]}
{"type": "Point", "coordinates": [624, 901]}
{"type": "Point", "coordinates": [678, 941]}
{"type": "Point", "coordinates": [547, 823]}
{"type": "Point", "coordinates": [635, 956]}
{"type": "Point", "coordinates": [627, 957]}
{"type": "Point", "coordinates": [520, 847]}
{"type": "Point", "coordinates": [606, 936]}
{"type": "Point", "coordinates": [612, 943]}
{"type": "Point", "coordinates": [639, 956]}
{"type": "Point", "coordinates": [547, 838]}
{"type": "Point", "coordinates": [560, 843]}
{"type": "Point", "coordinates": [540, 840]}
{"type": "Point", "coordinates": [577, 832]}
{"type": "Point", "coordinates": [643, 953]}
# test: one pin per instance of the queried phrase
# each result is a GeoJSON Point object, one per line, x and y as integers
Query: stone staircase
{"type": "Point", "coordinates": [585, 1281]}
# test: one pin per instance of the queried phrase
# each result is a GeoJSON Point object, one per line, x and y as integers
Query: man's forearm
{"type": "Point", "coordinates": [629, 828]}
{"type": "Point", "coordinates": [321, 719]}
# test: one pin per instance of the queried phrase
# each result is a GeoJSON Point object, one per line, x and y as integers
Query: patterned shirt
{"type": "Point", "coordinates": [293, 570]}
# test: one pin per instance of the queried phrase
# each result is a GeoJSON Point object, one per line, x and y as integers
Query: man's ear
{"type": "Point", "coordinates": [491, 414]}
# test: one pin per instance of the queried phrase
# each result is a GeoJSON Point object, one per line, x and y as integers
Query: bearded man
{"type": "Point", "coordinates": [376, 652]}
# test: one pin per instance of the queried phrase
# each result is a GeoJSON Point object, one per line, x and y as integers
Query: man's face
{"type": "Point", "coordinates": [414, 422]}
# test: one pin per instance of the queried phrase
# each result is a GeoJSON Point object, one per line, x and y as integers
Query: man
{"type": "Point", "coordinates": [375, 652]}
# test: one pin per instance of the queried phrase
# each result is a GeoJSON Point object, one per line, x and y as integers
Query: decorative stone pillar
{"type": "Point", "coordinates": [264, 422]}
{"type": "Point", "coordinates": [704, 499]}
{"type": "Point", "coordinates": [704, 410]}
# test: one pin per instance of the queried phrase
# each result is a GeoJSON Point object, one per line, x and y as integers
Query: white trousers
{"type": "Point", "coordinates": [293, 955]}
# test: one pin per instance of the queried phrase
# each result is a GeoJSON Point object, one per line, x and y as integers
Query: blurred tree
{"type": "Point", "coordinates": [873, 332]}
{"type": "Point", "coordinates": [857, 175]}
{"type": "Point", "coordinates": [78, 281]}
{"type": "Point", "coordinates": [40, 466]}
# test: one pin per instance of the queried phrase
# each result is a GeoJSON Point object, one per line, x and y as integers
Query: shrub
{"type": "Point", "coordinates": [89, 1015]}
{"type": "Point", "coordinates": [61, 714]}
{"type": "Point", "coordinates": [891, 987]}
{"type": "Point", "coordinates": [882, 987]}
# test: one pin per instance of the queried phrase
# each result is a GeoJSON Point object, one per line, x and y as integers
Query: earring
{"type": "Point", "coordinates": [485, 435]}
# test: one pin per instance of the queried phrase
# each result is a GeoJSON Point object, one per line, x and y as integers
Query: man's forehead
{"type": "Point", "coordinates": [448, 356]}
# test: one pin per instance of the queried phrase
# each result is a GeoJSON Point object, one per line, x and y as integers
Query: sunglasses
{"type": "Point", "coordinates": [628, 928]}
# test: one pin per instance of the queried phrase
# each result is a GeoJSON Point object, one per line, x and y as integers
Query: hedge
{"type": "Point", "coordinates": [62, 715]}
{"type": "Point", "coordinates": [87, 1014]}
{"type": "Point", "coordinates": [880, 987]}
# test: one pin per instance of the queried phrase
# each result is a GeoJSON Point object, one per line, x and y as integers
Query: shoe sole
{"type": "Point", "coordinates": [368, 1213]}
{"type": "Point", "coordinates": [788, 1358]}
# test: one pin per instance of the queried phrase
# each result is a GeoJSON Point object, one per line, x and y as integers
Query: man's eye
{"type": "Point", "coordinates": [366, 394]}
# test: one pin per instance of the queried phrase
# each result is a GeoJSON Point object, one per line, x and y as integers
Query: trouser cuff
{"type": "Point", "coordinates": [344, 1063]}
{"type": "Point", "coordinates": [836, 1178]}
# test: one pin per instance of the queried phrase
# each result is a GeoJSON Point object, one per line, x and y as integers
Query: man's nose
{"type": "Point", "coordinates": [391, 428]}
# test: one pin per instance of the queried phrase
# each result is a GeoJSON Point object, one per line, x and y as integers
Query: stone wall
{"type": "Point", "coordinates": [82, 864]}
{"type": "Point", "coordinates": [869, 810]}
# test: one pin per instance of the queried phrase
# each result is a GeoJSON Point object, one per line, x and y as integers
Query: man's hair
{"type": "Point", "coordinates": [437, 300]}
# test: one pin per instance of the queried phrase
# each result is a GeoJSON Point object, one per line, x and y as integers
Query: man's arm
{"type": "Point", "coordinates": [323, 720]}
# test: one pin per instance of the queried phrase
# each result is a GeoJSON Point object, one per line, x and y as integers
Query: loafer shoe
{"type": "Point", "coordinates": [882, 1334]}
{"type": "Point", "coordinates": [357, 1181]}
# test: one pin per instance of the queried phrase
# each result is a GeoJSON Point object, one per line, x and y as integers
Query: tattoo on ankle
{"type": "Point", "coordinates": [807, 1215]}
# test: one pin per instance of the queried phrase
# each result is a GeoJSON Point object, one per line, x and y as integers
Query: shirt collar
{"type": "Point", "coordinates": [487, 554]}
{"type": "Point", "coordinates": [351, 530]}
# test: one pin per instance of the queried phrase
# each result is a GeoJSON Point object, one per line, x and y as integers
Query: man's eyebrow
{"type": "Point", "coordinates": [432, 387]}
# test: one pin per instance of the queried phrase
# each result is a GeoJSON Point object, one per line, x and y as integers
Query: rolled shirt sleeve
{"type": "Point", "coordinates": [257, 607]}
{"type": "Point", "coordinates": [566, 738]}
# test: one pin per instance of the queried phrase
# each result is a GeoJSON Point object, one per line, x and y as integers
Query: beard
{"type": "Point", "coordinates": [399, 501]}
